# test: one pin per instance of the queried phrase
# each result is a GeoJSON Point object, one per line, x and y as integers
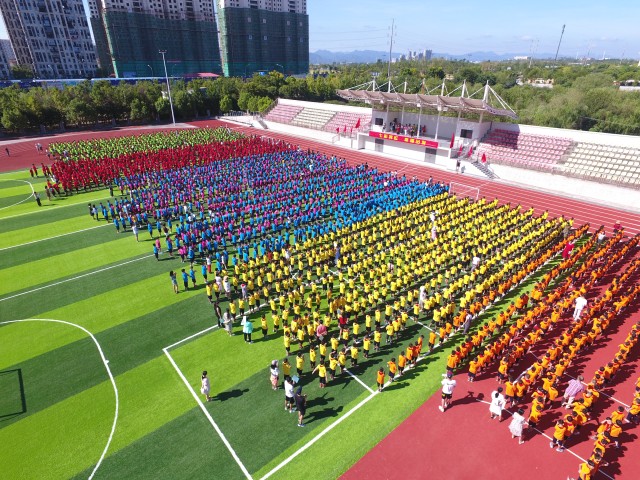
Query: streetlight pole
{"type": "Point", "coordinates": [166, 76]}
{"type": "Point", "coordinates": [150, 69]}
{"type": "Point", "coordinates": [278, 65]}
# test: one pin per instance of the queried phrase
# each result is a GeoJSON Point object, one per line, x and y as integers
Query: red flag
{"type": "Point", "coordinates": [484, 158]}
{"type": "Point", "coordinates": [460, 149]}
{"type": "Point", "coordinates": [470, 152]}
{"type": "Point", "coordinates": [453, 138]}
{"type": "Point", "coordinates": [351, 130]}
{"type": "Point", "coordinates": [358, 124]}
{"type": "Point", "coordinates": [337, 129]}
{"type": "Point", "coordinates": [344, 129]}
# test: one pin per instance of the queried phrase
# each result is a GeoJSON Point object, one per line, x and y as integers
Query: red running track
{"type": "Point", "coordinates": [581, 211]}
{"type": "Point", "coordinates": [23, 151]}
{"type": "Point", "coordinates": [464, 443]}
{"type": "Point", "coordinates": [23, 154]}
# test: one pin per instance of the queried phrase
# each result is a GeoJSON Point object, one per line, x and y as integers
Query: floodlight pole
{"type": "Point", "coordinates": [559, 42]}
{"type": "Point", "coordinates": [166, 76]}
{"type": "Point", "coordinates": [389, 59]}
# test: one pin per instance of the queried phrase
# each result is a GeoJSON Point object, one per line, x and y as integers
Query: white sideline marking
{"type": "Point", "coordinates": [549, 438]}
{"type": "Point", "coordinates": [21, 201]}
{"type": "Point", "coordinates": [359, 381]}
{"type": "Point", "coordinates": [190, 337]}
{"type": "Point", "coordinates": [74, 278]}
{"type": "Point", "coordinates": [287, 460]}
{"type": "Point", "coordinates": [55, 236]}
{"type": "Point", "coordinates": [208, 415]}
{"type": "Point", "coordinates": [602, 393]}
{"type": "Point", "coordinates": [105, 362]}
{"type": "Point", "coordinates": [83, 202]}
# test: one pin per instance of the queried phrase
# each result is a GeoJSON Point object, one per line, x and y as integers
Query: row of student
{"type": "Point", "coordinates": [389, 311]}
{"type": "Point", "coordinates": [473, 343]}
{"type": "Point", "coordinates": [534, 318]}
{"type": "Point", "coordinates": [559, 356]}
{"type": "Point", "coordinates": [608, 435]}
{"type": "Point", "coordinates": [512, 346]}
{"type": "Point", "coordinates": [374, 335]}
{"type": "Point", "coordinates": [297, 208]}
{"type": "Point", "coordinates": [544, 395]}
{"type": "Point", "coordinates": [299, 280]}
{"type": "Point", "coordinates": [345, 333]}
{"type": "Point", "coordinates": [113, 147]}
{"type": "Point", "coordinates": [328, 363]}
{"type": "Point", "coordinates": [88, 172]}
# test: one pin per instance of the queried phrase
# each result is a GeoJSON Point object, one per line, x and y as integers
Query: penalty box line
{"type": "Point", "coordinates": [224, 439]}
{"type": "Point", "coordinates": [208, 416]}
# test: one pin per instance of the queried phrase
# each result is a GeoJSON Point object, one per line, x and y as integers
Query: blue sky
{"type": "Point", "coordinates": [465, 26]}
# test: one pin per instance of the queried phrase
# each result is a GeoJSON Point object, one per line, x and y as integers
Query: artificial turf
{"type": "Point", "coordinates": [133, 313]}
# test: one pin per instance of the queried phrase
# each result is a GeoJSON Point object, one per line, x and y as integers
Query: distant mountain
{"type": "Point", "coordinates": [356, 56]}
{"type": "Point", "coordinates": [372, 56]}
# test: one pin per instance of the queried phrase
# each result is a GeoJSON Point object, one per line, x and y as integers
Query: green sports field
{"type": "Point", "coordinates": [93, 378]}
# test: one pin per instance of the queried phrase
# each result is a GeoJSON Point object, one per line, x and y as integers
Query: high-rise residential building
{"type": "Point", "coordinates": [7, 49]}
{"type": "Point", "coordinates": [50, 36]}
{"type": "Point", "coordinates": [5, 66]}
{"type": "Point", "coordinates": [130, 33]}
{"type": "Point", "coordinates": [264, 35]}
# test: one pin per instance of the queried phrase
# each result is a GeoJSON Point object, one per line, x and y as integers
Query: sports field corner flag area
{"type": "Point", "coordinates": [324, 299]}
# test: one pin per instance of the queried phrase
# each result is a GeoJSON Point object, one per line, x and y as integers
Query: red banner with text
{"type": "Point", "coordinates": [402, 139]}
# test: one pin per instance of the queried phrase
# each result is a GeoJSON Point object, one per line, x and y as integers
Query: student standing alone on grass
{"type": "Point", "coordinates": [301, 405]}
{"type": "Point", "coordinates": [247, 329]}
{"type": "Point", "coordinates": [288, 394]}
{"type": "Point", "coordinates": [228, 322]}
{"type": "Point", "coordinates": [206, 386]}
{"type": "Point", "coordinates": [274, 374]}
{"type": "Point", "coordinates": [174, 281]}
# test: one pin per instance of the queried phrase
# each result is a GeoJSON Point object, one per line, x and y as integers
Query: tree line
{"type": "Point", "coordinates": [583, 96]}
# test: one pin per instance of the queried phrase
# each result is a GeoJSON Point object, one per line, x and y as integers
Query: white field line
{"type": "Point", "coordinates": [307, 445]}
{"type": "Point", "coordinates": [23, 200]}
{"type": "Point", "coordinates": [359, 381]}
{"type": "Point", "coordinates": [601, 393]}
{"type": "Point", "coordinates": [190, 337]}
{"type": "Point", "coordinates": [55, 236]}
{"type": "Point", "coordinates": [551, 439]}
{"type": "Point", "coordinates": [74, 278]}
{"type": "Point", "coordinates": [83, 202]}
{"type": "Point", "coordinates": [208, 415]}
{"type": "Point", "coordinates": [287, 460]}
{"type": "Point", "coordinates": [105, 362]}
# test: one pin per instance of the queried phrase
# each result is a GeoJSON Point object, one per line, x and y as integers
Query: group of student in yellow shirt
{"type": "Point", "coordinates": [398, 312]}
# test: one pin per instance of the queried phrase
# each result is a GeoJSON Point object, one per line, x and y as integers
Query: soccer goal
{"type": "Point", "coordinates": [462, 190]}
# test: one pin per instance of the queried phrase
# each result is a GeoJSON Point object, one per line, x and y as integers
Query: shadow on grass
{"type": "Point", "coordinates": [322, 414]}
{"type": "Point", "coordinates": [229, 394]}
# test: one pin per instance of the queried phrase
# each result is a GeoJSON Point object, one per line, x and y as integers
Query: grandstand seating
{"type": "Point", "coordinates": [283, 113]}
{"type": "Point", "coordinates": [604, 163]}
{"type": "Point", "coordinates": [524, 150]}
{"type": "Point", "coordinates": [313, 118]}
{"type": "Point", "coordinates": [348, 119]}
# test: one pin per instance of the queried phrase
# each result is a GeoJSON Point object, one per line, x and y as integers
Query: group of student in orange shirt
{"type": "Point", "coordinates": [474, 343]}
{"type": "Point", "coordinates": [566, 347]}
